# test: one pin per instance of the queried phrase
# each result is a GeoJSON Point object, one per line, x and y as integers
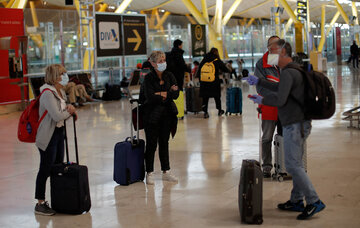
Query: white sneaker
{"type": "Point", "coordinates": [167, 176]}
{"type": "Point", "coordinates": [149, 178]}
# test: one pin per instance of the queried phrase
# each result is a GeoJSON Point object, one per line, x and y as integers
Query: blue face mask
{"type": "Point", "coordinates": [64, 79]}
{"type": "Point", "coordinates": [161, 66]}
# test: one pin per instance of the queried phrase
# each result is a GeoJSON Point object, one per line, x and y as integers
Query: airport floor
{"type": "Point", "coordinates": [205, 155]}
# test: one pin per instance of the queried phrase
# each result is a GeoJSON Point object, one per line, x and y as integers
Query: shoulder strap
{"type": "Point", "coordinates": [296, 67]}
{"type": "Point", "coordinates": [44, 114]}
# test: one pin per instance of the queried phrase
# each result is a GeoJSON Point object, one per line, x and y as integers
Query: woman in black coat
{"type": "Point", "coordinates": [159, 90]}
{"type": "Point", "coordinates": [212, 89]}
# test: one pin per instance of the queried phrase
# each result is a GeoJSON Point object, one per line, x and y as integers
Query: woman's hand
{"type": "Point", "coordinates": [71, 109]}
{"type": "Point", "coordinates": [174, 88]}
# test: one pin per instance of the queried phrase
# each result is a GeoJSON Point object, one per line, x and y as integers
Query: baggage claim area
{"type": "Point", "coordinates": [104, 47]}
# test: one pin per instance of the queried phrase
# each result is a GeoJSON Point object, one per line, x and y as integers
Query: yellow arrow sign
{"type": "Point", "coordinates": [137, 39]}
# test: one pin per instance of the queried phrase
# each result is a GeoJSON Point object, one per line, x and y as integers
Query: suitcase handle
{"type": "Point", "coordinates": [66, 142]}
{"type": "Point", "coordinates": [260, 141]}
{"type": "Point", "coordinates": [137, 120]}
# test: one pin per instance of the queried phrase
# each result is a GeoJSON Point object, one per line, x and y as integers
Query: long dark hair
{"type": "Point", "coordinates": [215, 51]}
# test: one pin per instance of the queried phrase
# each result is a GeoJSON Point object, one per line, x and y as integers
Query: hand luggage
{"type": "Point", "coordinates": [233, 101]}
{"type": "Point", "coordinates": [279, 165]}
{"type": "Point", "coordinates": [180, 105]}
{"type": "Point", "coordinates": [193, 99]}
{"type": "Point", "coordinates": [112, 90]}
{"type": "Point", "coordinates": [129, 157]}
{"type": "Point", "coordinates": [69, 182]}
{"type": "Point", "coordinates": [251, 192]}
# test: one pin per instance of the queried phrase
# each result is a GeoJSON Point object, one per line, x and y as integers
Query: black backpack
{"type": "Point", "coordinates": [319, 94]}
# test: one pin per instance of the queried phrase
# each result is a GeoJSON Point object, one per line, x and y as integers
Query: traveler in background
{"type": "Point", "coordinates": [354, 50]}
{"type": "Point", "coordinates": [159, 90]}
{"type": "Point", "coordinates": [240, 63]}
{"type": "Point", "coordinates": [231, 69]}
{"type": "Point", "coordinates": [50, 134]}
{"type": "Point", "coordinates": [146, 65]}
{"type": "Point", "coordinates": [289, 92]}
{"type": "Point", "coordinates": [77, 93]}
{"type": "Point", "coordinates": [195, 69]}
{"type": "Point", "coordinates": [176, 63]}
{"type": "Point", "coordinates": [212, 89]}
{"type": "Point", "coordinates": [267, 69]}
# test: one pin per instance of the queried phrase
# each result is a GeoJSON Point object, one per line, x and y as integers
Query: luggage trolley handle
{"type": "Point", "coordinates": [67, 145]}
{"type": "Point", "coordinates": [260, 129]}
{"type": "Point", "coordinates": [137, 120]}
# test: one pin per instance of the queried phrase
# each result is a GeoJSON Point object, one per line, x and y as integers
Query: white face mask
{"type": "Point", "coordinates": [273, 59]}
{"type": "Point", "coordinates": [161, 66]}
{"type": "Point", "coordinates": [64, 79]}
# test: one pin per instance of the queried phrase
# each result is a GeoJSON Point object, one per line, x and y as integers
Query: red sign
{"type": "Point", "coordinates": [11, 24]}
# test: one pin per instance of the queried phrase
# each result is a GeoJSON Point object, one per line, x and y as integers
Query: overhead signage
{"type": "Point", "coordinates": [134, 35]}
{"type": "Point", "coordinates": [108, 35]}
{"type": "Point", "coordinates": [198, 40]}
{"type": "Point", "coordinates": [301, 10]}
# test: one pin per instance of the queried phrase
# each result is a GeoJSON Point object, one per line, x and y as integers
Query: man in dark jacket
{"type": "Point", "coordinates": [213, 88]}
{"type": "Point", "coordinates": [354, 50]}
{"type": "Point", "coordinates": [289, 92]}
{"type": "Point", "coordinates": [176, 63]}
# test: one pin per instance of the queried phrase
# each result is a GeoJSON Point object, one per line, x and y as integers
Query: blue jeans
{"type": "Point", "coordinates": [294, 149]}
{"type": "Point", "coordinates": [53, 154]}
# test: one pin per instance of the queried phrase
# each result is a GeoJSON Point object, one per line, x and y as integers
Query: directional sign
{"type": "Point", "coordinates": [198, 40]}
{"type": "Point", "coordinates": [108, 35]}
{"type": "Point", "coordinates": [134, 35]}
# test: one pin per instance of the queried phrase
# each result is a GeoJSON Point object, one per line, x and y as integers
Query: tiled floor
{"type": "Point", "coordinates": [206, 155]}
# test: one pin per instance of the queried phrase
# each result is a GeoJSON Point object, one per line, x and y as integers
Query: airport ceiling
{"type": "Point", "coordinates": [261, 11]}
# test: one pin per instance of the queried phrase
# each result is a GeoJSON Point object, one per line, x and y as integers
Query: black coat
{"type": "Point", "coordinates": [354, 50]}
{"type": "Point", "coordinates": [211, 89]}
{"type": "Point", "coordinates": [155, 106]}
{"type": "Point", "coordinates": [176, 65]}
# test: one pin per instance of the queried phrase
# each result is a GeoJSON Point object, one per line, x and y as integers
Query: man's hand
{"type": "Point", "coordinates": [256, 98]}
{"type": "Point", "coordinates": [252, 80]}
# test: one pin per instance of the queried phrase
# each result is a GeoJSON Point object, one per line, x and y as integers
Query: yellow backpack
{"type": "Point", "coordinates": [207, 73]}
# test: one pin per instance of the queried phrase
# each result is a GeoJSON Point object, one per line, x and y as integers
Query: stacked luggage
{"type": "Point", "coordinates": [112, 90]}
{"type": "Point", "coordinates": [233, 101]}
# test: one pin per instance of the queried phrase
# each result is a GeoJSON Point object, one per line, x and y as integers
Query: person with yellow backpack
{"type": "Point", "coordinates": [209, 80]}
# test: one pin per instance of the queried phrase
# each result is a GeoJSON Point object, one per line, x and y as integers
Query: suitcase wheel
{"type": "Point", "coordinates": [280, 178]}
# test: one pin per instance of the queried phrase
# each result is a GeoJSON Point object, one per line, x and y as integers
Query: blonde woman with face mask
{"type": "Point", "coordinates": [50, 134]}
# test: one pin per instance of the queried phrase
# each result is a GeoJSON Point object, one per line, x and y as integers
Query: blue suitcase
{"type": "Point", "coordinates": [233, 101]}
{"type": "Point", "coordinates": [129, 159]}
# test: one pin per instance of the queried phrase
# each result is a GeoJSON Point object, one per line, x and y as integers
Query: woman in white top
{"type": "Point", "coordinates": [50, 134]}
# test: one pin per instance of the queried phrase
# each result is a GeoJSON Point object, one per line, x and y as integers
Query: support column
{"type": "Point", "coordinates": [323, 38]}
{"type": "Point", "coordinates": [277, 18]}
{"type": "Point", "coordinates": [356, 21]}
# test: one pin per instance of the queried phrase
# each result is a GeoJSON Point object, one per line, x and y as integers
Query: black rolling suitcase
{"type": "Point", "coordinates": [69, 182]}
{"type": "Point", "coordinates": [193, 99]}
{"type": "Point", "coordinates": [251, 187]}
{"type": "Point", "coordinates": [251, 192]}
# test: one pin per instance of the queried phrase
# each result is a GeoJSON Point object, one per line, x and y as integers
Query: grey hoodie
{"type": "Point", "coordinates": [49, 101]}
